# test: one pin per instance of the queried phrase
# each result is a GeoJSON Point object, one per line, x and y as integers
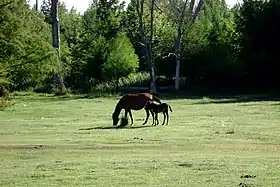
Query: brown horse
{"type": "Point", "coordinates": [130, 102]}
{"type": "Point", "coordinates": [158, 108]}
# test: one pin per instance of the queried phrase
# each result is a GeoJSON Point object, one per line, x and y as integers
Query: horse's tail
{"type": "Point", "coordinates": [156, 99]}
{"type": "Point", "coordinates": [170, 108]}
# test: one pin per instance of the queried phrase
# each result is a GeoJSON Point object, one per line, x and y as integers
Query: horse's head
{"type": "Point", "coordinates": [115, 119]}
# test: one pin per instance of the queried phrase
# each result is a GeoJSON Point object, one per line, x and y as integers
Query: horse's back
{"type": "Point", "coordinates": [136, 101]}
{"type": "Point", "coordinates": [140, 95]}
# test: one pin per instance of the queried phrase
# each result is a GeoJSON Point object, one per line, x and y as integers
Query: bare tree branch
{"type": "Point", "coordinates": [152, 21]}
{"type": "Point", "coordinates": [5, 4]}
{"type": "Point", "coordinates": [181, 7]}
{"type": "Point", "coordinates": [191, 7]}
{"type": "Point", "coordinates": [158, 7]}
{"type": "Point", "coordinates": [169, 54]}
{"type": "Point", "coordinates": [142, 44]}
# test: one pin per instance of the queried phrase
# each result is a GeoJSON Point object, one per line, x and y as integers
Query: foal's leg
{"type": "Point", "coordinates": [164, 116]}
{"type": "Point", "coordinates": [153, 114]}
{"type": "Point", "coordinates": [130, 114]}
{"type": "Point", "coordinates": [167, 116]}
{"type": "Point", "coordinates": [147, 116]}
{"type": "Point", "coordinates": [156, 116]}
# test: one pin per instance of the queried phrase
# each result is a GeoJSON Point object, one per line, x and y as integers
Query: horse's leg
{"type": "Point", "coordinates": [147, 116]}
{"type": "Point", "coordinates": [125, 114]}
{"type": "Point", "coordinates": [130, 114]}
{"type": "Point", "coordinates": [163, 118]}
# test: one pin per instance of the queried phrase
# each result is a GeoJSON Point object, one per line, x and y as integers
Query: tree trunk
{"type": "Point", "coordinates": [194, 14]}
{"type": "Point", "coordinates": [55, 24]}
{"type": "Point", "coordinates": [178, 45]}
{"type": "Point", "coordinates": [58, 79]}
{"type": "Point", "coordinates": [197, 10]}
{"type": "Point", "coordinates": [150, 43]}
{"type": "Point", "coordinates": [117, 85]}
{"type": "Point", "coordinates": [147, 42]}
{"type": "Point", "coordinates": [36, 5]}
{"type": "Point", "coordinates": [177, 76]}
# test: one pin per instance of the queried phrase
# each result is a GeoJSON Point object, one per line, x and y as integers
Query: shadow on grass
{"type": "Point", "coordinates": [172, 95]}
{"type": "Point", "coordinates": [115, 127]}
{"type": "Point", "coordinates": [276, 104]}
{"type": "Point", "coordinates": [238, 99]}
{"type": "Point", "coordinates": [225, 97]}
{"type": "Point", "coordinates": [52, 97]}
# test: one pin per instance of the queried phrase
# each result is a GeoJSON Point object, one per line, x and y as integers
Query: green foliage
{"type": "Point", "coordinates": [133, 79]}
{"type": "Point", "coordinates": [108, 17]}
{"type": "Point", "coordinates": [4, 80]}
{"type": "Point", "coordinates": [121, 59]}
{"type": "Point", "coordinates": [5, 103]}
{"type": "Point", "coordinates": [25, 40]}
{"type": "Point", "coordinates": [208, 46]}
{"type": "Point", "coordinates": [223, 48]}
{"type": "Point", "coordinates": [258, 40]}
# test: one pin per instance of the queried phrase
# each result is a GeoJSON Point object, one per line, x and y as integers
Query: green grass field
{"type": "Point", "coordinates": [46, 141]}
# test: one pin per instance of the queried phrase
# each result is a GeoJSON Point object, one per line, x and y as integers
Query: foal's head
{"type": "Point", "coordinates": [149, 104]}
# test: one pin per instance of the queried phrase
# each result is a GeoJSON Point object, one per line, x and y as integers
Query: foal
{"type": "Point", "coordinates": [158, 108]}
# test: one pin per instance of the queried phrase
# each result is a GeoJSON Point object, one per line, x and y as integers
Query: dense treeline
{"type": "Point", "coordinates": [223, 48]}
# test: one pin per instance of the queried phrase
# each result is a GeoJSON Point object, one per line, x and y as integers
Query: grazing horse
{"type": "Point", "coordinates": [158, 108]}
{"type": "Point", "coordinates": [130, 102]}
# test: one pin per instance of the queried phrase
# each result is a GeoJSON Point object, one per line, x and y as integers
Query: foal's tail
{"type": "Point", "coordinates": [170, 108]}
{"type": "Point", "coordinates": [156, 99]}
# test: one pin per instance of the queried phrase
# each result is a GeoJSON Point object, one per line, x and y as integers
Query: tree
{"type": "Point", "coordinates": [4, 80]}
{"type": "Point", "coordinates": [121, 59]}
{"type": "Point", "coordinates": [181, 7]}
{"type": "Point", "coordinates": [130, 24]}
{"type": "Point", "coordinates": [93, 45]}
{"type": "Point", "coordinates": [46, 10]}
{"type": "Point", "coordinates": [108, 17]}
{"type": "Point", "coordinates": [177, 45]}
{"type": "Point", "coordinates": [58, 79]}
{"type": "Point", "coordinates": [258, 40]}
{"type": "Point", "coordinates": [26, 54]}
{"type": "Point", "coordinates": [36, 5]}
{"type": "Point", "coordinates": [147, 41]}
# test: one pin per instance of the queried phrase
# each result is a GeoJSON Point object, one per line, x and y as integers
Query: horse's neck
{"type": "Point", "coordinates": [118, 109]}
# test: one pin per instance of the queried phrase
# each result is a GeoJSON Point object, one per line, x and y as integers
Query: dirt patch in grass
{"type": "Point", "coordinates": [248, 176]}
{"type": "Point", "coordinates": [125, 147]}
{"type": "Point", "coordinates": [26, 147]}
{"type": "Point", "coordinates": [187, 165]}
{"type": "Point", "coordinates": [34, 147]}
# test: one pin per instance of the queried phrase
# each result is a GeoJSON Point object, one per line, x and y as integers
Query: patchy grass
{"type": "Point", "coordinates": [50, 141]}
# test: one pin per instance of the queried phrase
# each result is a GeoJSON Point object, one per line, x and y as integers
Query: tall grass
{"type": "Point", "coordinates": [5, 100]}
{"type": "Point", "coordinates": [134, 79]}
